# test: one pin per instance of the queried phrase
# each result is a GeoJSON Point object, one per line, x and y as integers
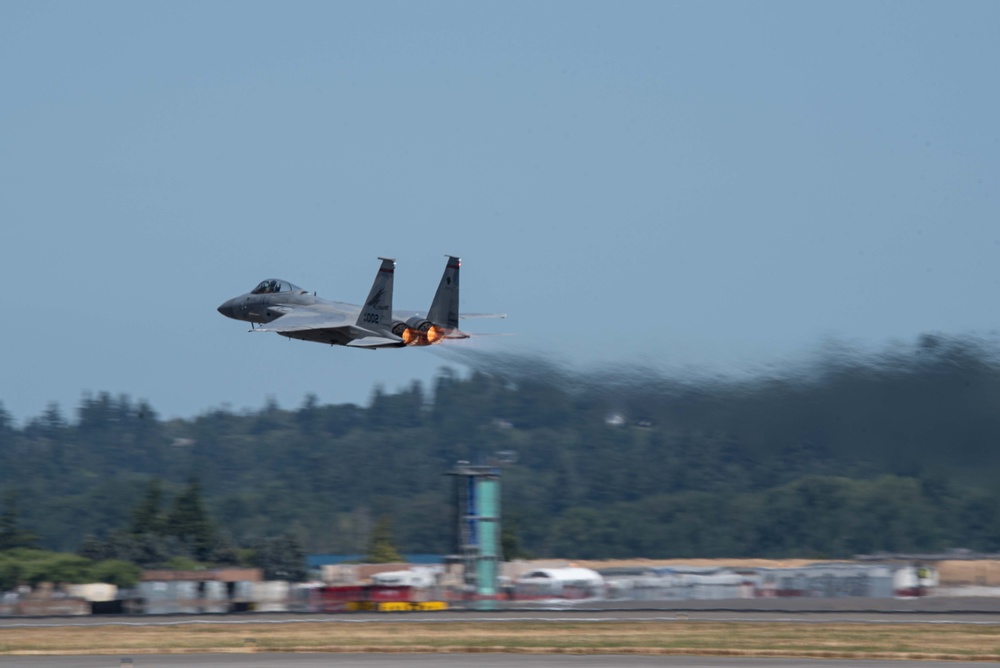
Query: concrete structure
{"type": "Point", "coordinates": [220, 590]}
{"type": "Point", "coordinates": [477, 514]}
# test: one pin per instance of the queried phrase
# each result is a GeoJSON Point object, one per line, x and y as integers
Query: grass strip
{"type": "Point", "coordinates": [967, 642]}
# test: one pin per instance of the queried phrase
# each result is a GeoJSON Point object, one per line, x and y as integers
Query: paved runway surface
{"type": "Point", "coordinates": [452, 661]}
{"type": "Point", "coordinates": [788, 616]}
{"type": "Point", "coordinates": [981, 610]}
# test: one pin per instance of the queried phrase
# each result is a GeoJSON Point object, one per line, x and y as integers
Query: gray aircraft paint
{"type": "Point", "coordinates": [444, 308]}
{"type": "Point", "coordinates": [278, 306]}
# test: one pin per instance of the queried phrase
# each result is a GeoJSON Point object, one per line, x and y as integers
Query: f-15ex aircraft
{"type": "Point", "coordinates": [278, 306]}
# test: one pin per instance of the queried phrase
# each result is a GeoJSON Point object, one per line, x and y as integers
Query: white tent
{"type": "Point", "coordinates": [409, 578]}
{"type": "Point", "coordinates": [565, 576]}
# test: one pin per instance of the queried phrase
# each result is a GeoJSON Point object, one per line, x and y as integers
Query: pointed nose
{"type": "Point", "coordinates": [227, 309]}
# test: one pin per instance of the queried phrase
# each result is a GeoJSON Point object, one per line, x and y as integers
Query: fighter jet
{"type": "Point", "coordinates": [279, 306]}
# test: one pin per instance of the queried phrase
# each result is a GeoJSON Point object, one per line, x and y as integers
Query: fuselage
{"type": "Point", "coordinates": [286, 309]}
{"type": "Point", "coordinates": [265, 303]}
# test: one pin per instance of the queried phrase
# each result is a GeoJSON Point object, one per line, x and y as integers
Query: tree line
{"type": "Point", "coordinates": [849, 453]}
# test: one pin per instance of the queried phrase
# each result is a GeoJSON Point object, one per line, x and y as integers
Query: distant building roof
{"type": "Point", "coordinates": [320, 560]}
{"type": "Point", "coordinates": [570, 574]}
{"type": "Point", "coordinates": [626, 571]}
{"type": "Point", "coordinates": [214, 575]}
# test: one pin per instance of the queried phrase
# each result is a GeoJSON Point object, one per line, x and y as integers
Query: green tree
{"type": "Point", "coordinates": [182, 563]}
{"type": "Point", "coordinates": [281, 558]}
{"type": "Point", "coordinates": [6, 421]}
{"type": "Point", "coordinates": [148, 517]}
{"type": "Point", "coordinates": [225, 551]}
{"type": "Point", "coordinates": [381, 549]}
{"type": "Point", "coordinates": [189, 522]}
{"type": "Point", "coordinates": [11, 534]}
{"type": "Point", "coordinates": [29, 566]}
{"type": "Point", "coordinates": [855, 452]}
{"type": "Point", "coordinates": [12, 572]}
{"type": "Point", "coordinates": [60, 568]}
{"type": "Point", "coordinates": [510, 542]}
{"type": "Point", "coordinates": [95, 549]}
{"type": "Point", "coordinates": [114, 571]}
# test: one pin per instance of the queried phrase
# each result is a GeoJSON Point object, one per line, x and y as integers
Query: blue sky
{"type": "Point", "coordinates": [714, 186]}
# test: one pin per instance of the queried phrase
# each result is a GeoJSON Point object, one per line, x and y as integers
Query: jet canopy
{"type": "Point", "coordinates": [271, 285]}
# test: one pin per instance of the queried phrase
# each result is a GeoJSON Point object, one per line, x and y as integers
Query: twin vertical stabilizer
{"type": "Point", "coordinates": [376, 312]}
{"type": "Point", "coordinates": [444, 308]}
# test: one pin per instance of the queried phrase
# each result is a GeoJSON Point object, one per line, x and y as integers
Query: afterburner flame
{"type": "Point", "coordinates": [427, 335]}
{"type": "Point", "coordinates": [435, 334]}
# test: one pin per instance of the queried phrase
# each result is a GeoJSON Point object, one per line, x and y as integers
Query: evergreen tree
{"type": "Point", "coordinates": [11, 535]}
{"type": "Point", "coordinates": [510, 543]}
{"type": "Point", "coordinates": [281, 558]}
{"type": "Point", "coordinates": [856, 453]}
{"type": "Point", "coordinates": [147, 518]}
{"type": "Point", "coordinates": [381, 549]}
{"type": "Point", "coordinates": [95, 549]}
{"type": "Point", "coordinates": [225, 551]}
{"type": "Point", "coordinates": [189, 522]}
{"type": "Point", "coordinates": [6, 422]}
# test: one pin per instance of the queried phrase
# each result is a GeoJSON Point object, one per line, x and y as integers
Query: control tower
{"type": "Point", "coordinates": [477, 514]}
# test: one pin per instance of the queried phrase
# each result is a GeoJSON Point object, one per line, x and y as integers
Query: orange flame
{"type": "Point", "coordinates": [415, 337]}
{"type": "Point", "coordinates": [435, 334]}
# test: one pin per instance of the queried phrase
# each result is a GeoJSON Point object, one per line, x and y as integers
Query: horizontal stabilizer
{"type": "Point", "coordinates": [474, 316]}
{"type": "Point", "coordinates": [456, 334]}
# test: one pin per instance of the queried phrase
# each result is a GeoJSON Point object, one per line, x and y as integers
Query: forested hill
{"type": "Point", "coordinates": [855, 454]}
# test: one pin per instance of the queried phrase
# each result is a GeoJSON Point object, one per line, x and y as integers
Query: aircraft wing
{"type": "Point", "coordinates": [297, 320]}
{"type": "Point", "coordinates": [328, 326]}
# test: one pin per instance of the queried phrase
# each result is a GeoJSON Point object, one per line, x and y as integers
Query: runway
{"type": "Point", "coordinates": [813, 615]}
{"type": "Point", "coordinates": [451, 661]}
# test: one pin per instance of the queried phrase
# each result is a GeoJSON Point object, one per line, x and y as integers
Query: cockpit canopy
{"type": "Point", "coordinates": [276, 285]}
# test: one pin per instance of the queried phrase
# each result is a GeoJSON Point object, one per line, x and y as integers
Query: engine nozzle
{"type": "Point", "coordinates": [418, 332]}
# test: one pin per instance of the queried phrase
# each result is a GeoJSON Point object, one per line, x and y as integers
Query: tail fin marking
{"type": "Point", "coordinates": [376, 313]}
{"type": "Point", "coordinates": [444, 308]}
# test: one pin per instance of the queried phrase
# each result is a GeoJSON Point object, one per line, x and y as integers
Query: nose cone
{"type": "Point", "coordinates": [227, 309]}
